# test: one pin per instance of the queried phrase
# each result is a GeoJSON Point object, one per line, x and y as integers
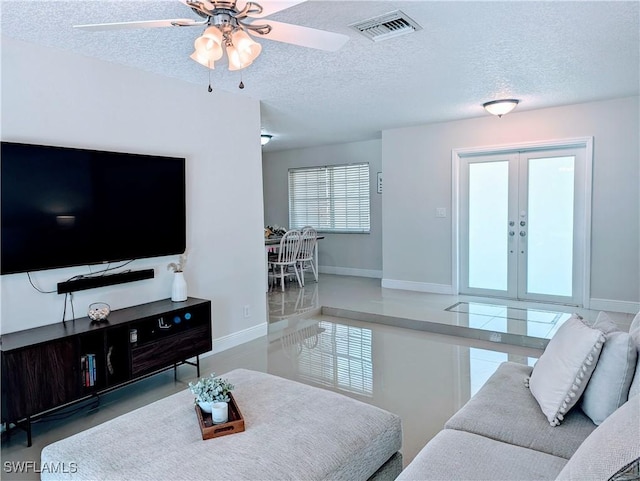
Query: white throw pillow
{"type": "Point", "coordinates": [561, 374]}
{"type": "Point", "coordinates": [610, 452]}
{"type": "Point", "coordinates": [608, 388]}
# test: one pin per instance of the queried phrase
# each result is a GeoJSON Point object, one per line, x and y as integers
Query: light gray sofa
{"type": "Point", "coordinates": [502, 434]}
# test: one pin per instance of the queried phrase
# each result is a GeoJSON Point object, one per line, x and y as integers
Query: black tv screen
{"type": "Point", "coordinates": [66, 207]}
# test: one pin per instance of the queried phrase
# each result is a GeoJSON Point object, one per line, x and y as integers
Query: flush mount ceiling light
{"type": "Point", "coordinates": [227, 29]}
{"type": "Point", "coordinates": [500, 107]}
{"type": "Point", "coordinates": [265, 139]}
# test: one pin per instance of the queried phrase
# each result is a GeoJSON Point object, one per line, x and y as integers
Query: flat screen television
{"type": "Point", "coordinates": [65, 207]}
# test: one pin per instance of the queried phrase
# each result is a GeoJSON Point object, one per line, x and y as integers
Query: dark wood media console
{"type": "Point", "coordinates": [51, 366]}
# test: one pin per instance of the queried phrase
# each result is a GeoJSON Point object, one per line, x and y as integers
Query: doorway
{"type": "Point", "coordinates": [523, 222]}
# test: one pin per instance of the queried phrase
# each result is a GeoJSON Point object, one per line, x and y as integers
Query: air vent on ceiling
{"type": "Point", "coordinates": [389, 25]}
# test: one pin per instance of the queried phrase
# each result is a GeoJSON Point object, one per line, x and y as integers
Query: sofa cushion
{"type": "Point", "coordinates": [454, 455]}
{"type": "Point", "coordinates": [561, 374]}
{"type": "Point", "coordinates": [634, 331]}
{"type": "Point", "coordinates": [504, 409]}
{"type": "Point", "coordinates": [612, 449]}
{"type": "Point", "coordinates": [608, 388]}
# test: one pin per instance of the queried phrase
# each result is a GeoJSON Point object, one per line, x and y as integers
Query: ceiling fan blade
{"type": "Point", "coordinates": [299, 35]}
{"type": "Point", "coordinates": [181, 22]}
{"type": "Point", "coordinates": [272, 6]}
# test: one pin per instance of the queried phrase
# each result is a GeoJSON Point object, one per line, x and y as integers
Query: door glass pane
{"type": "Point", "coordinates": [550, 233]}
{"type": "Point", "coordinates": [488, 212]}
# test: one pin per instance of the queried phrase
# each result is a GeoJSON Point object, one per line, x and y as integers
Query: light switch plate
{"type": "Point", "coordinates": [441, 212]}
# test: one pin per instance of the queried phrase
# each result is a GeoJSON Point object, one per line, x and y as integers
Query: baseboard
{"type": "Point", "coordinates": [232, 340]}
{"type": "Point", "coordinates": [418, 286]}
{"type": "Point", "coordinates": [627, 307]}
{"type": "Point", "coordinates": [350, 271]}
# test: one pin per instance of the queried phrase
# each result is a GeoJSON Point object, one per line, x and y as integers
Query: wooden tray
{"type": "Point", "coordinates": [210, 430]}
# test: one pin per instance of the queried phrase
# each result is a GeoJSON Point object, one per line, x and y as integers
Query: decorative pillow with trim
{"type": "Point", "coordinates": [561, 374]}
{"type": "Point", "coordinates": [608, 388]}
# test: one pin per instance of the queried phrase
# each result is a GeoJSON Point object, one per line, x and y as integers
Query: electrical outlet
{"type": "Point", "coordinates": [247, 311]}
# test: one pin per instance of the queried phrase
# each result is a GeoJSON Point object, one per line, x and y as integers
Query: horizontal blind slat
{"type": "Point", "coordinates": [330, 198]}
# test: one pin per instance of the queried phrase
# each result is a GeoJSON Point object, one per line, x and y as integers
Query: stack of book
{"type": "Point", "coordinates": [88, 369]}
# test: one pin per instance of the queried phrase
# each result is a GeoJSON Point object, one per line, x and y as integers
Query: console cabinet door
{"type": "Point", "coordinates": [39, 377]}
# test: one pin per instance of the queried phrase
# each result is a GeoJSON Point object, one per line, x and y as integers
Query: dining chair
{"type": "Point", "coordinates": [307, 252]}
{"type": "Point", "coordinates": [287, 257]}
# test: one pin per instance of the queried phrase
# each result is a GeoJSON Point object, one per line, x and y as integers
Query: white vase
{"type": "Point", "coordinates": [179, 288]}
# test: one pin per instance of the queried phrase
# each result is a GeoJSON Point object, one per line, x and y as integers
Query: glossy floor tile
{"type": "Point", "coordinates": [497, 320]}
{"type": "Point", "coordinates": [422, 376]}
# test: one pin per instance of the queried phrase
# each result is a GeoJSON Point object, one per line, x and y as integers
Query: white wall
{"type": "Point", "coordinates": [417, 249]}
{"type": "Point", "coordinates": [53, 97]}
{"type": "Point", "coordinates": [346, 254]}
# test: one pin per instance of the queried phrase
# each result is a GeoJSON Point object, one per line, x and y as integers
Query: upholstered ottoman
{"type": "Point", "coordinates": [292, 431]}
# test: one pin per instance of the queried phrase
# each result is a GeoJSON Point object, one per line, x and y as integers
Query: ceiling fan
{"type": "Point", "coordinates": [229, 27]}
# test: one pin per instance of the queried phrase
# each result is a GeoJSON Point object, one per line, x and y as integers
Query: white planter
{"type": "Point", "coordinates": [219, 411]}
{"type": "Point", "coordinates": [205, 406]}
{"type": "Point", "coordinates": [179, 288]}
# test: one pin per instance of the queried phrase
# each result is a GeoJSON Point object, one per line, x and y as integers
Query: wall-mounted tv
{"type": "Point", "coordinates": [66, 207]}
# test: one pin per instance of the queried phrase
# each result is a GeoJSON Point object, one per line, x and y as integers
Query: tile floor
{"type": "Point", "coordinates": [422, 375]}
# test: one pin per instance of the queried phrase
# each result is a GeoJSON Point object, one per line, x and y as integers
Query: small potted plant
{"type": "Point", "coordinates": [212, 390]}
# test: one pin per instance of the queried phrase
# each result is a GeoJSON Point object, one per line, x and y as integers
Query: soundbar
{"type": "Point", "coordinates": [85, 283]}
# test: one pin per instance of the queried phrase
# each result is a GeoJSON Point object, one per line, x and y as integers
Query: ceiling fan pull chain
{"type": "Point", "coordinates": [210, 89]}
{"type": "Point", "coordinates": [241, 86]}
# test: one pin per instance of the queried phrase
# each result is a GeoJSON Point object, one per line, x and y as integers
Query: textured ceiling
{"type": "Point", "coordinates": [543, 53]}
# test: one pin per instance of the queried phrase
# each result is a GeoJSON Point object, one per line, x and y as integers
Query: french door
{"type": "Point", "coordinates": [522, 224]}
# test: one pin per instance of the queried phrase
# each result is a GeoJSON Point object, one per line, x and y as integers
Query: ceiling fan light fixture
{"type": "Point", "coordinates": [245, 44]}
{"type": "Point", "coordinates": [214, 34]}
{"type": "Point", "coordinates": [238, 59]}
{"type": "Point", "coordinates": [265, 139]}
{"type": "Point", "coordinates": [208, 47]}
{"type": "Point", "coordinates": [241, 50]}
{"type": "Point", "coordinates": [500, 107]}
{"type": "Point", "coordinates": [227, 25]}
{"type": "Point", "coordinates": [202, 60]}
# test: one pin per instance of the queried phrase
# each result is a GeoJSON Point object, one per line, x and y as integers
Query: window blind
{"type": "Point", "coordinates": [331, 198]}
{"type": "Point", "coordinates": [341, 358]}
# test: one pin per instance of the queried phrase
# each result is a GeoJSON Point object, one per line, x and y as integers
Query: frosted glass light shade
{"type": "Point", "coordinates": [202, 60]}
{"type": "Point", "coordinates": [243, 50]}
{"type": "Point", "coordinates": [214, 34]}
{"type": "Point", "coordinates": [500, 107]}
{"type": "Point", "coordinates": [246, 45]}
{"type": "Point", "coordinates": [208, 47]}
{"type": "Point", "coordinates": [265, 139]}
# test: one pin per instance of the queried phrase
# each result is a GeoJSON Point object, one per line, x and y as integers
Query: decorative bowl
{"type": "Point", "coordinates": [99, 311]}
